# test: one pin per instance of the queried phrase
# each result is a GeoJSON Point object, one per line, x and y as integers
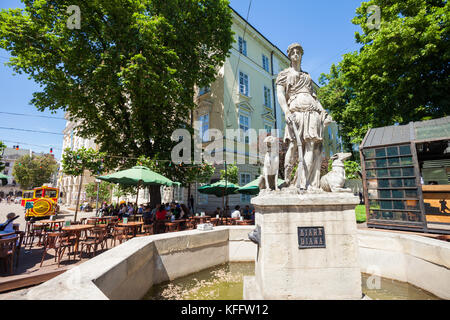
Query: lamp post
{"type": "Point", "coordinates": [96, 203]}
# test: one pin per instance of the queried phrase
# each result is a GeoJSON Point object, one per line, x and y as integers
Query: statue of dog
{"type": "Point", "coordinates": [271, 164]}
{"type": "Point", "coordinates": [334, 180]}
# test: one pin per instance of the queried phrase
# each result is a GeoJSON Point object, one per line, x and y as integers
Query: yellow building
{"type": "Point", "coordinates": [244, 97]}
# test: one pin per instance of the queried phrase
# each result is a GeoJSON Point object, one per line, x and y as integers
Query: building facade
{"type": "Point", "coordinates": [244, 97]}
{"type": "Point", "coordinates": [10, 157]}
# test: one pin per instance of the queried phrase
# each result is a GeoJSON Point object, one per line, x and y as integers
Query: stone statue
{"type": "Point", "coordinates": [269, 179]}
{"type": "Point", "coordinates": [334, 180]}
{"type": "Point", "coordinates": [305, 123]}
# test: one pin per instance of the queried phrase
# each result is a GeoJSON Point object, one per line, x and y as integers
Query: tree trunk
{"type": "Point", "coordinates": [78, 197]}
{"type": "Point", "coordinates": [155, 195]}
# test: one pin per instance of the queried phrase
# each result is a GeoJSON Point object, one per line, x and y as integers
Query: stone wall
{"type": "Point", "coordinates": [129, 270]}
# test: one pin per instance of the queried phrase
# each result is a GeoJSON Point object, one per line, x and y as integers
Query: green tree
{"type": "Point", "coordinates": [231, 174]}
{"type": "Point", "coordinates": [75, 162]}
{"type": "Point", "coordinates": [2, 147]}
{"type": "Point", "coordinates": [33, 171]}
{"type": "Point", "coordinates": [400, 74]}
{"type": "Point", "coordinates": [128, 74]}
{"type": "Point", "coordinates": [104, 191]}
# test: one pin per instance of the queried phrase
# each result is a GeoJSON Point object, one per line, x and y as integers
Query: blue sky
{"type": "Point", "coordinates": [322, 27]}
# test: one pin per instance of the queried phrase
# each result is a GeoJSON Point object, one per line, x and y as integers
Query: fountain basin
{"type": "Point", "coordinates": [128, 271]}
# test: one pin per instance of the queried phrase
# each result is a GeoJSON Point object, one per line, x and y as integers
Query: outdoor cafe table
{"type": "Point", "coordinates": [181, 224]}
{"type": "Point", "coordinates": [244, 222]}
{"type": "Point", "coordinates": [200, 219]}
{"type": "Point", "coordinates": [101, 219]}
{"type": "Point", "coordinates": [52, 223]}
{"type": "Point", "coordinates": [132, 225]}
{"type": "Point", "coordinates": [76, 229]}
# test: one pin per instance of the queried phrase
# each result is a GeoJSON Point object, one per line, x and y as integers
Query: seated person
{"type": "Point", "coordinates": [185, 212]}
{"type": "Point", "coordinates": [236, 213]}
{"type": "Point", "coordinates": [147, 215]}
{"type": "Point", "coordinates": [161, 213]}
{"type": "Point", "coordinates": [8, 226]}
{"type": "Point", "coordinates": [246, 212]}
{"type": "Point", "coordinates": [218, 212]}
{"type": "Point", "coordinates": [175, 210]}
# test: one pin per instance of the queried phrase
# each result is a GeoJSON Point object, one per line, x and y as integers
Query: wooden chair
{"type": "Point", "coordinates": [147, 230]}
{"type": "Point", "coordinates": [171, 227]}
{"type": "Point", "coordinates": [190, 224]}
{"type": "Point", "coordinates": [34, 230]}
{"type": "Point", "coordinates": [98, 239]}
{"type": "Point", "coordinates": [159, 226]}
{"type": "Point", "coordinates": [21, 235]}
{"type": "Point", "coordinates": [119, 234]}
{"type": "Point", "coordinates": [7, 252]}
{"type": "Point", "coordinates": [57, 241]}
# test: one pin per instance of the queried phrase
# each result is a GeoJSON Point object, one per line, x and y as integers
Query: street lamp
{"type": "Point", "coordinates": [98, 187]}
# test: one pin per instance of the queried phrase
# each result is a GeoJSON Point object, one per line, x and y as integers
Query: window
{"type": "Point", "coordinates": [267, 101]}
{"type": "Point", "coordinates": [204, 127]}
{"type": "Point", "coordinates": [50, 193]}
{"type": "Point", "coordinates": [243, 83]}
{"type": "Point", "coordinates": [204, 90]}
{"type": "Point", "coordinates": [265, 63]}
{"type": "Point", "coordinates": [242, 46]}
{"type": "Point", "coordinates": [245, 178]}
{"type": "Point", "coordinates": [244, 125]}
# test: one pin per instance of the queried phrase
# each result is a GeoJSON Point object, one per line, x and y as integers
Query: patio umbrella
{"type": "Point", "coordinates": [3, 179]}
{"type": "Point", "coordinates": [220, 188]}
{"type": "Point", "coordinates": [138, 176]}
{"type": "Point", "coordinates": [252, 188]}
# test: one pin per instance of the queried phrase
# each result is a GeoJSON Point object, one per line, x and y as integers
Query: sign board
{"type": "Point", "coordinates": [125, 220]}
{"type": "Point", "coordinates": [29, 205]}
{"type": "Point", "coordinates": [311, 237]}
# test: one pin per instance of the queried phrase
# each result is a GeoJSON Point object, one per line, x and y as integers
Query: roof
{"type": "Point", "coordinates": [435, 129]}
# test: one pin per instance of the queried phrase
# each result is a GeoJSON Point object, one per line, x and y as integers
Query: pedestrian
{"type": "Point", "coordinates": [191, 203]}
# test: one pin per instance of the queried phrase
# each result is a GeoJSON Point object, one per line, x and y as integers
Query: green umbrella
{"type": "Point", "coordinates": [252, 188]}
{"type": "Point", "coordinates": [3, 179]}
{"type": "Point", "coordinates": [220, 188]}
{"type": "Point", "coordinates": [138, 176]}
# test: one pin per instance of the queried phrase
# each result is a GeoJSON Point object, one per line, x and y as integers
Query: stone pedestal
{"type": "Point", "coordinates": [283, 270]}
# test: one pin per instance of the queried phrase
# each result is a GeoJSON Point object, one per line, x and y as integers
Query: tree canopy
{"type": "Point", "coordinates": [34, 171]}
{"type": "Point", "coordinates": [127, 75]}
{"type": "Point", "coordinates": [400, 74]}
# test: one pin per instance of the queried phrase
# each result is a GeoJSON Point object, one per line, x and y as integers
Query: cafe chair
{"type": "Point", "coordinates": [171, 227]}
{"type": "Point", "coordinates": [98, 239]}
{"type": "Point", "coordinates": [7, 252]}
{"type": "Point", "coordinates": [119, 234]}
{"type": "Point", "coordinates": [147, 230]}
{"type": "Point", "coordinates": [21, 235]}
{"type": "Point", "coordinates": [58, 241]}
